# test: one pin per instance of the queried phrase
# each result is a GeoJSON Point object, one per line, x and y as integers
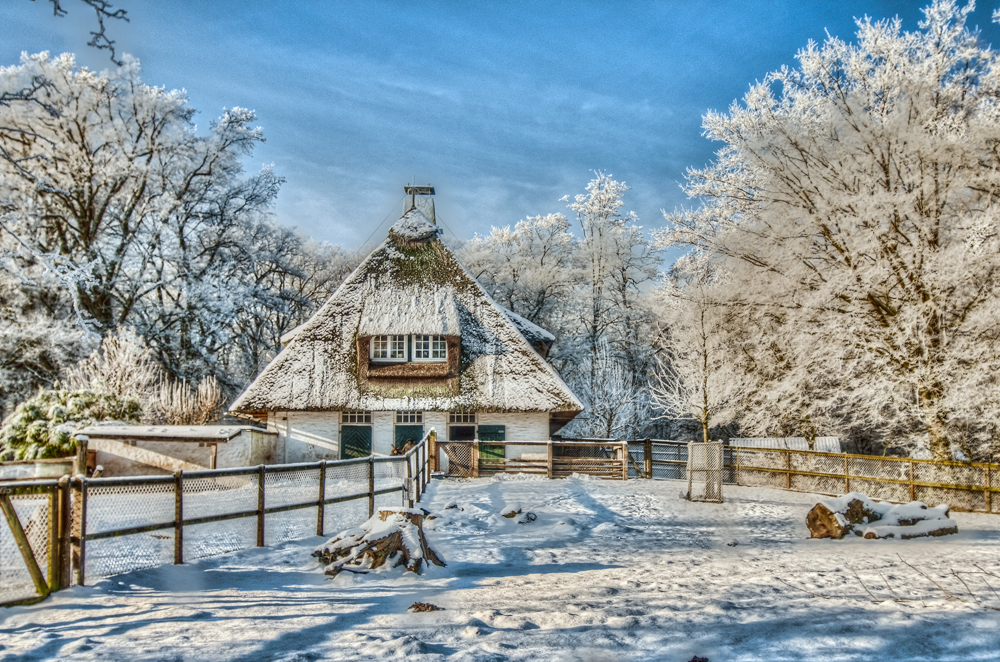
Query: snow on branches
{"type": "Point", "coordinates": [855, 202]}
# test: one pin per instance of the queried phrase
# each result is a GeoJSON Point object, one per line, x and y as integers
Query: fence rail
{"type": "Point", "coordinates": [81, 527]}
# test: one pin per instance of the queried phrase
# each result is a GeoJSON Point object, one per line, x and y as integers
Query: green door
{"type": "Point", "coordinates": [492, 433]}
{"type": "Point", "coordinates": [355, 441]}
{"type": "Point", "coordinates": [405, 433]}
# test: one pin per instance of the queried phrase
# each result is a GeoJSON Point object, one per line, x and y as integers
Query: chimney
{"type": "Point", "coordinates": [421, 198]}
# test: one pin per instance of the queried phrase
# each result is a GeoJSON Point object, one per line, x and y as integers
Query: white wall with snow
{"type": "Point", "coordinates": [307, 436]}
{"type": "Point", "coordinates": [383, 431]}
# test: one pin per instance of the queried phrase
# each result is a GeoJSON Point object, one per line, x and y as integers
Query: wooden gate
{"type": "Point", "coordinates": [31, 535]}
{"type": "Point", "coordinates": [455, 457]}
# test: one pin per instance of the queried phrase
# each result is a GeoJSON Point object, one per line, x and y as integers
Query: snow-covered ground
{"type": "Point", "coordinates": [607, 571]}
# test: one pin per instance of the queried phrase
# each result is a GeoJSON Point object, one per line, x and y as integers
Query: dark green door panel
{"type": "Point", "coordinates": [406, 432]}
{"type": "Point", "coordinates": [492, 433]}
{"type": "Point", "coordinates": [355, 441]}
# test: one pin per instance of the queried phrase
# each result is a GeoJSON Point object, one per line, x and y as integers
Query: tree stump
{"type": "Point", "coordinates": [391, 534]}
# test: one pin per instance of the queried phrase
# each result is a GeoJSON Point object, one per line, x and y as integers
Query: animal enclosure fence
{"type": "Point", "coordinates": [967, 486]}
{"type": "Point", "coordinates": [552, 459]}
{"type": "Point", "coordinates": [80, 527]}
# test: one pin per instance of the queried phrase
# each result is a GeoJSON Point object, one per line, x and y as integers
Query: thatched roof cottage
{"type": "Point", "coordinates": [408, 342]}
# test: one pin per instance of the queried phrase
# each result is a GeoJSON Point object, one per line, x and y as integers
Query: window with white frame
{"type": "Point", "coordinates": [356, 416]}
{"type": "Point", "coordinates": [388, 348]}
{"type": "Point", "coordinates": [462, 417]}
{"type": "Point", "coordinates": [429, 348]}
{"type": "Point", "coordinates": [409, 417]}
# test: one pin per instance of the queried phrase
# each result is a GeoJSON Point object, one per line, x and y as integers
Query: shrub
{"type": "Point", "coordinates": [43, 426]}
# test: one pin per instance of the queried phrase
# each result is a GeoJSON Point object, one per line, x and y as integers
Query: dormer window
{"type": "Point", "coordinates": [388, 348]}
{"type": "Point", "coordinates": [429, 348]}
{"type": "Point", "coordinates": [419, 348]}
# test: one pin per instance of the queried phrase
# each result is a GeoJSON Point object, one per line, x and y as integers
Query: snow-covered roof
{"type": "Point", "coordinates": [410, 286]}
{"type": "Point", "coordinates": [165, 432]}
{"type": "Point", "coordinates": [823, 444]}
{"type": "Point", "coordinates": [414, 226]}
{"type": "Point", "coordinates": [528, 329]}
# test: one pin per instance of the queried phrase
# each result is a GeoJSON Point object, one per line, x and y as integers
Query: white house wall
{"type": "Point", "coordinates": [521, 426]}
{"type": "Point", "coordinates": [383, 431]}
{"type": "Point", "coordinates": [307, 436]}
{"type": "Point", "coordinates": [437, 420]}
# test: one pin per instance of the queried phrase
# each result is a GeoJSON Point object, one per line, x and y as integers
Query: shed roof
{"type": "Point", "coordinates": [410, 285]}
{"type": "Point", "coordinates": [166, 432]}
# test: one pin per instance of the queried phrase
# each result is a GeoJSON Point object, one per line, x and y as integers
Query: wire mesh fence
{"type": "Point", "coordinates": [110, 526]}
{"type": "Point", "coordinates": [704, 471]}
{"type": "Point", "coordinates": [962, 485]}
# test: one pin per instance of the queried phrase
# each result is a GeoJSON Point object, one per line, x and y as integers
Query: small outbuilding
{"type": "Point", "coordinates": [149, 450]}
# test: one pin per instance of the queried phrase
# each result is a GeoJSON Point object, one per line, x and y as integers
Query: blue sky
{"type": "Point", "coordinates": [504, 107]}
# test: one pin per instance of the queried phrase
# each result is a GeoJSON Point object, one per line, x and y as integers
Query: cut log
{"type": "Point", "coordinates": [877, 519]}
{"type": "Point", "coordinates": [392, 534]}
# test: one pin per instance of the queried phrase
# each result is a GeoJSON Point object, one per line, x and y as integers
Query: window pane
{"type": "Point", "coordinates": [397, 349]}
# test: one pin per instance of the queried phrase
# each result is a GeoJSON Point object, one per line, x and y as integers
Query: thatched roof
{"type": "Point", "coordinates": [412, 283]}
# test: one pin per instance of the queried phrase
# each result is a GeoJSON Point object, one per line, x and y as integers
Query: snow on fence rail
{"type": "Point", "coordinates": [965, 486]}
{"type": "Point", "coordinates": [84, 527]}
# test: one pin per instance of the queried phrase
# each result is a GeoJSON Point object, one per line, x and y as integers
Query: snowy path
{"type": "Point", "coordinates": [608, 571]}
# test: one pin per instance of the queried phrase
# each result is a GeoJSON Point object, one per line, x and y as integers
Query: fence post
{"type": "Point", "coordinates": [371, 486]}
{"type": "Point", "coordinates": [625, 460]}
{"type": "Point", "coordinates": [736, 459]}
{"type": "Point", "coordinates": [548, 467]}
{"type": "Point", "coordinates": [260, 505]}
{"type": "Point", "coordinates": [53, 571]}
{"type": "Point", "coordinates": [432, 440]}
{"type": "Point", "coordinates": [78, 540]}
{"type": "Point", "coordinates": [647, 458]}
{"type": "Point", "coordinates": [420, 470]}
{"type": "Point", "coordinates": [847, 473]}
{"type": "Point", "coordinates": [912, 496]}
{"type": "Point", "coordinates": [65, 533]}
{"type": "Point", "coordinates": [788, 470]}
{"type": "Point", "coordinates": [475, 458]}
{"type": "Point", "coordinates": [178, 517]}
{"type": "Point", "coordinates": [410, 487]}
{"type": "Point", "coordinates": [989, 495]}
{"type": "Point", "coordinates": [321, 507]}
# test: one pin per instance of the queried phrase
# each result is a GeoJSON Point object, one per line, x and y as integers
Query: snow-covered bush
{"type": "Point", "coordinates": [43, 426]}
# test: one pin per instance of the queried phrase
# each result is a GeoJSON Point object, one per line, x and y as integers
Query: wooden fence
{"type": "Point", "coordinates": [552, 459]}
{"type": "Point", "coordinates": [964, 486]}
{"type": "Point", "coordinates": [78, 527]}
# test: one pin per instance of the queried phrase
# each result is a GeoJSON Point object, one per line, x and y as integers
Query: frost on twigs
{"type": "Point", "coordinates": [395, 535]}
{"type": "Point", "coordinates": [877, 519]}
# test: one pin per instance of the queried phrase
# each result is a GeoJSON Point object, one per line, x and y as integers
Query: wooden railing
{"type": "Point", "coordinates": [554, 459]}
{"type": "Point", "coordinates": [106, 526]}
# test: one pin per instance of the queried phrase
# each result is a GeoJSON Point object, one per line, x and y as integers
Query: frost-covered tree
{"type": "Point", "coordinates": [855, 203]}
{"type": "Point", "coordinates": [616, 261]}
{"type": "Point", "coordinates": [529, 269]}
{"type": "Point", "coordinates": [591, 290]}
{"type": "Point", "coordinates": [701, 374]}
